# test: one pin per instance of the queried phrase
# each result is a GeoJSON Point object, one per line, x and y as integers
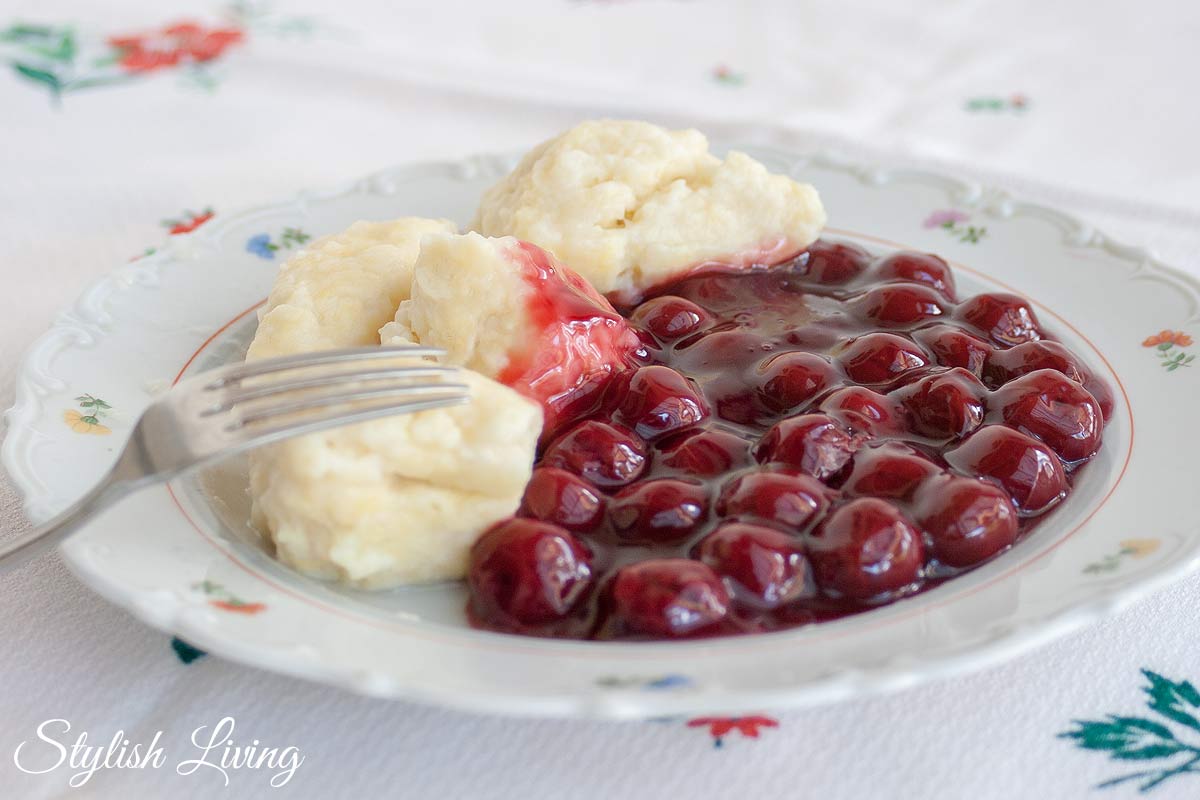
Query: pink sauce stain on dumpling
{"type": "Point", "coordinates": [578, 341]}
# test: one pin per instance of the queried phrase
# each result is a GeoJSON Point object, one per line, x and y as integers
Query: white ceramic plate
{"type": "Point", "coordinates": [183, 559]}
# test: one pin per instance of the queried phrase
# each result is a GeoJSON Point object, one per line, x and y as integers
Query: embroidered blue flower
{"type": "Point", "coordinates": [260, 244]}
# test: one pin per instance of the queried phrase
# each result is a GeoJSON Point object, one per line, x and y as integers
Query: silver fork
{"type": "Point", "coordinates": [232, 409]}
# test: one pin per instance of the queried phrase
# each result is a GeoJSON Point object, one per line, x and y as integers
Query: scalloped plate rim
{"type": "Point", "coordinates": [175, 618]}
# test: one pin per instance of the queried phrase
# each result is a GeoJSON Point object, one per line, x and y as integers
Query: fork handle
{"type": "Point", "coordinates": [17, 551]}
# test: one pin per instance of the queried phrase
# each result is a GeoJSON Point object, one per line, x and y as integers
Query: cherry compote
{"type": "Point", "coordinates": [791, 444]}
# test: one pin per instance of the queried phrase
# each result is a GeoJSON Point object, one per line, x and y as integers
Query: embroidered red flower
{"type": "Point", "coordinates": [174, 44]}
{"type": "Point", "coordinates": [189, 223]}
{"type": "Point", "coordinates": [718, 727]}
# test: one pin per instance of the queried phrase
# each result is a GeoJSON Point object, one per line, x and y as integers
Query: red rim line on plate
{"type": "Point", "coordinates": [630, 651]}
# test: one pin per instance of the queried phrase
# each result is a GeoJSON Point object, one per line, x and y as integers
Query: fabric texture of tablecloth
{"type": "Point", "coordinates": [116, 117]}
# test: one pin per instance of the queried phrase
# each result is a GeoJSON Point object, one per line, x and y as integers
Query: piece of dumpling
{"type": "Point", "coordinates": [509, 310]}
{"type": "Point", "coordinates": [395, 500]}
{"type": "Point", "coordinates": [630, 205]}
{"type": "Point", "coordinates": [339, 289]}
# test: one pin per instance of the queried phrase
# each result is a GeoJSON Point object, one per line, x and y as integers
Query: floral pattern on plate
{"type": "Point", "coordinates": [87, 418]}
{"type": "Point", "coordinates": [1170, 346]}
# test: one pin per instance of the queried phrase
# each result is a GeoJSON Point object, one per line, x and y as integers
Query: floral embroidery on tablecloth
{"type": "Point", "coordinates": [186, 222]}
{"type": "Point", "coordinates": [955, 222]}
{"type": "Point", "coordinates": [86, 419]}
{"type": "Point", "coordinates": [62, 59]}
{"type": "Point", "coordinates": [186, 652]}
{"type": "Point", "coordinates": [720, 727]}
{"type": "Point", "coordinates": [1014, 102]}
{"type": "Point", "coordinates": [263, 246]}
{"type": "Point", "coordinates": [1164, 744]}
{"type": "Point", "coordinates": [1170, 346]}
{"type": "Point", "coordinates": [724, 75]}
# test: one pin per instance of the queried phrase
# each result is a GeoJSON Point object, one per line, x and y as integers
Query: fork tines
{"type": "Point", "coordinates": [313, 391]}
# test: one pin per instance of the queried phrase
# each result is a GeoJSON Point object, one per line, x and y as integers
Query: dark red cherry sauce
{"type": "Point", "coordinates": [792, 444]}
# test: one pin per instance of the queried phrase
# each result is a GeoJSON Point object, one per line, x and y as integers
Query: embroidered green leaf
{"type": "Point", "coordinates": [99, 80]}
{"type": "Point", "coordinates": [61, 50]}
{"type": "Point", "coordinates": [1175, 701]}
{"type": "Point", "coordinates": [1164, 752]}
{"type": "Point", "coordinates": [40, 76]}
{"type": "Point", "coordinates": [22, 33]}
{"type": "Point", "coordinates": [112, 57]}
{"type": "Point", "coordinates": [1126, 738]}
{"type": "Point", "coordinates": [186, 652]}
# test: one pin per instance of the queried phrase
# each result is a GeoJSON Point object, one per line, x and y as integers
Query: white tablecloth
{"type": "Point", "coordinates": [1090, 106]}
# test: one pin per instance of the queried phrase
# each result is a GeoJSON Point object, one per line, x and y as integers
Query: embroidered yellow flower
{"type": "Point", "coordinates": [84, 423]}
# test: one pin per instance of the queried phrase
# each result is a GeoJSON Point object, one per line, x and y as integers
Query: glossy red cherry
{"type": "Point", "coordinates": [814, 337]}
{"type": "Point", "coordinates": [912, 267]}
{"type": "Point", "coordinates": [660, 510]}
{"type": "Point", "coordinates": [670, 318]}
{"type": "Point", "coordinates": [716, 350]}
{"type": "Point", "coordinates": [1006, 319]}
{"type": "Point", "coordinates": [1055, 409]}
{"type": "Point", "coordinates": [1004, 365]}
{"type": "Point", "coordinates": [865, 412]}
{"type": "Point", "coordinates": [1027, 469]}
{"type": "Point", "coordinates": [946, 404]}
{"type": "Point", "coordinates": [527, 572]}
{"type": "Point", "coordinates": [953, 347]}
{"type": "Point", "coordinates": [890, 470]}
{"type": "Point", "coordinates": [831, 263]}
{"type": "Point", "coordinates": [705, 453]}
{"type": "Point", "coordinates": [1100, 390]}
{"type": "Point", "coordinates": [929, 431]}
{"type": "Point", "coordinates": [715, 292]}
{"type": "Point", "coordinates": [562, 498]}
{"type": "Point", "coordinates": [864, 549]}
{"type": "Point", "coordinates": [790, 380]}
{"type": "Point", "coordinates": [968, 520]}
{"type": "Point", "coordinates": [763, 567]}
{"type": "Point", "coordinates": [813, 443]}
{"type": "Point", "coordinates": [666, 597]}
{"type": "Point", "coordinates": [657, 400]}
{"type": "Point", "coordinates": [607, 455]}
{"type": "Point", "coordinates": [789, 499]}
{"type": "Point", "coordinates": [734, 401]}
{"type": "Point", "coordinates": [900, 305]}
{"type": "Point", "coordinates": [881, 358]}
